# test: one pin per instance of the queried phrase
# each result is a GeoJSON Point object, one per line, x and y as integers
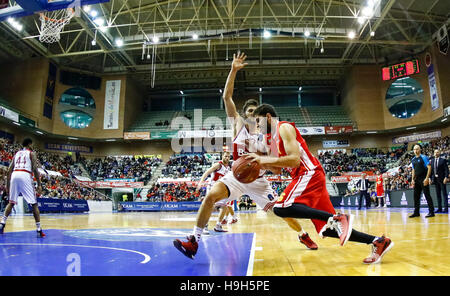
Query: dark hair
{"type": "Point", "coordinates": [26, 142]}
{"type": "Point", "coordinates": [248, 103]}
{"type": "Point", "coordinates": [263, 109]}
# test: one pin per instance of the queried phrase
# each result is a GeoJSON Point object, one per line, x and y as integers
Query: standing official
{"type": "Point", "coordinates": [421, 181]}
{"type": "Point", "coordinates": [439, 177]}
{"type": "Point", "coordinates": [363, 187]}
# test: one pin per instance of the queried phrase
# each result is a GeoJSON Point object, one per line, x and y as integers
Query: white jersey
{"type": "Point", "coordinates": [245, 143]}
{"type": "Point", "coordinates": [22, 161]}
{"type": "Point", "coordinates": [22, 178]}
{"type": "Point", "coordinates": [216, 175]}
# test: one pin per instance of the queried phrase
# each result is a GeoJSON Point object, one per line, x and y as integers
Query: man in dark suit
{"type": "Point", "coordinates": [363, 186]}
{"type": "Point", "coordinates": [439, 177]}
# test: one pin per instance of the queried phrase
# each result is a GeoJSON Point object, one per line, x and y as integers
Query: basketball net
{"type": "Point", "coordinates": [52, 23]}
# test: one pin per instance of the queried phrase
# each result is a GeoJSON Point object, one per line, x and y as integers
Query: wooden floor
{"type": "Point", "coordinates": [421, 245]}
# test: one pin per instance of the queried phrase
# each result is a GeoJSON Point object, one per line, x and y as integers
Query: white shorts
{"type": "Point", "coordinates": [22, 184]}
{"type": "Point", "coordinates": [260, 191]}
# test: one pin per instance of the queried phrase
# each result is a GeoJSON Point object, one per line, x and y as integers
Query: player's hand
{"type": "Point", "coordinates": [238, 61]}
{"type": "Point", "coordinates": [39, 191]}
{"type": "Point", "coordinates": [199, 186]}
{"type": "Point", "coordinates": [445, 180]}
{"type": "Point", "coordinates": [426, 182]}
{"type": "Point", "coordinates": [253, 157]}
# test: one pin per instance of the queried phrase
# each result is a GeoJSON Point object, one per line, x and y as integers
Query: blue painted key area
{"type": "Point", "coordinates": [121, 252]}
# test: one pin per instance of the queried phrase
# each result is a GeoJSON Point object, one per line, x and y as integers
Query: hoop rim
{"type": "Point", "coordinates": [58, 20]}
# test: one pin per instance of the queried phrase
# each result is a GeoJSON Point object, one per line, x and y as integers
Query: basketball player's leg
{"type": "Point", "coordinates": [218, 192]}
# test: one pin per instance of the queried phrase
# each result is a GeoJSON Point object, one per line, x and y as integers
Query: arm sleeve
{"type": "Point", "coordinates": [426, 162]}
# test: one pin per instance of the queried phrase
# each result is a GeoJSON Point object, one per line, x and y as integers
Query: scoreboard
{"type": "Point", "coordinates": [401, 70]}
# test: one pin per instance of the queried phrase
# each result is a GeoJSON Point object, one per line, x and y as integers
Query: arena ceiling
{"type": "Point", "coordinates": [402, 29]}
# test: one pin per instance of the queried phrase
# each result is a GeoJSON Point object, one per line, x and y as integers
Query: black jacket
{"type": "Point", "coordinates": [441, 170]}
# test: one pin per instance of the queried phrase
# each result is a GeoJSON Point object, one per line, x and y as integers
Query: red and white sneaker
{"type": "Point", "coordinates": [40, 233]}
{"type": "Point", "coordinates": [343, 224]}
{"type": "Point", "coordinates": [188, 248]}
{"type": "Point", "coordinates": [307, 241]}
{"type": "Point", "coordinates": [233, 221]}
{"type": "Point", "coordinates": [379, 248]}
{"type": "Point", "coordinates": [224, 221]}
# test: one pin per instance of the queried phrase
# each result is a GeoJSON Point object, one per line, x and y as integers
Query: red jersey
{"type": "Point", "coordinates": [307, 161]}
{"type": "Point", "coordinates": [380, 188]}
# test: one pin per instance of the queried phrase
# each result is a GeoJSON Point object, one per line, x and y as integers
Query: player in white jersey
{"type": "Point", "coordinates": [229, 188]}
{"type": "Point", "coordinates": [217, 171]}
{"type": "Point", "coordinates": [20, 182]}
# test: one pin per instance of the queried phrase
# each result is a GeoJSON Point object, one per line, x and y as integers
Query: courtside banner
{"type": "Point", "coordinates": [160, 206]}
{"type": "Point", "coordinates": [334, 130]}
{"type": "Point", "coordinates": [417, 137]}
{"type": "Point", "coordinates": [112, 184]}
{"type": "Point", "coordinates": [136, 135]}
{"type": "Point", "coordinates": [112, 99]}
{"type": "Point", "coordinates": [62, 205]}
{"type": "Point", "coordinates": [312, 130]}
{"type": "Point", "coordinates": [69, 148]}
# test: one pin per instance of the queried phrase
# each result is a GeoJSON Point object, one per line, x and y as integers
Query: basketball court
{"type": "Point", "coordinates": [259, 244]}
{"type": "Point", "coordinates": [169, 47]}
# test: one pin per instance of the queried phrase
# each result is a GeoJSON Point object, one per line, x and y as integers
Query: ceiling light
{"type": "Point", "coordinates": [373, 132]}
{"type": "Point", "coordinates": [307, 33]}
{"type": "Point", "coordinates": [300, 88]}
{"type": "Point", "coordinates": [99, 21]}
{"type": "Point", "coordinates": [266, 34]}
{"type": "Point", "coordinates": [361, 20]}
{"type": "Point", "coordinates": [93, 42]}
{"type": "Point", "coordinates": [39, 132]}
{"type": "Point", "coordinates": [103, 29]}
{"type": "Point", "coordinates": [410, 128]}
{"type": "Point", "coordinates": [16, 123]}
{"type": "Point", "coordinates": [444, 119]}
{"type": "Point", "coordinates": [155, 39]}
{"type": "Point", "coordinates": [119, 42]}
{"type": "Point", "coordinates": [322, 50]}
{"type": "Point", "coordinates": [181, 92]}
{"type": "Point", "coordinates": [367, 11]}
{"type": "Point", "coordinates": [72, 138]}
{"type": "Point", "coordinates": [93, 13]}
{"type": "Point", "coordinates": [372, 33]}
{"type": "Point", "coordinates": [195, 36]}
{"type": "Point", "coordinates": [351, 34]}
{"type": "Point", "coordinates": [87, 8]}
{"type": "Point", "coordinates": [260, 89]}
{"type": "Point", "coordinates": [110, 140]}
{"type": "Point", "coordinates": [220, 90]}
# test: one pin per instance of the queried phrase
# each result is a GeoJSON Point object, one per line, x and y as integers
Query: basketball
{"type": "Point", "coordinates": [245, 171]}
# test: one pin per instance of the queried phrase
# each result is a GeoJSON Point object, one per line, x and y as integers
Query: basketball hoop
{"type": "Point", "coordinates": [52, 22]}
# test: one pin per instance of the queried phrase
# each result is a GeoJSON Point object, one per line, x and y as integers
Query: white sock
{"type": "Point", "coordinates": [197, 233]}
{"type": "Point", "coordinates": [4, 220]}
{"type": "Point", "coordinates": [38, 226]}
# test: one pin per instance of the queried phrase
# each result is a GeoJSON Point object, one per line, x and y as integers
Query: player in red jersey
{"type": "Point", "coordinates": [217, 171]}
{"type": "Point", "coordinates": [306, 196]}
{"type": "Point", "coordinates": [246, 139]}
{"type": "Point", "coordinates": [380, 190]}
{"type": "Point", "coordinates": [20, 182]}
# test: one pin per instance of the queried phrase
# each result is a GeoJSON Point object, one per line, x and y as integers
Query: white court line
{"type": "Point", "coordinates": [146, 260]}
{"type": "Point", "coordinates": [251, 260]}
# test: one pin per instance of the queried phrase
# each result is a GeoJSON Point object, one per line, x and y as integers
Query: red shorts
{"type": "Point", "coordinates": [308, 189]}
{"type": "Point", "coordinates": [380, 191]}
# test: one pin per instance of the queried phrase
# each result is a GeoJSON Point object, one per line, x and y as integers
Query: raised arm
{"type": "Point", "coordinates": [230, 107]}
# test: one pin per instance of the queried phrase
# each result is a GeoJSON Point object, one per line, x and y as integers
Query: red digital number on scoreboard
{"type": "Point", "coordinates": [400, 70]}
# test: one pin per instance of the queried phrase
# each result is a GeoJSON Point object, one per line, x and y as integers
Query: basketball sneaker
{"type": "Point", "coordinates": [2, 227]}
{"type": "Point", "coordinates": [234, 221]}
{"type": "Point", "coordinates": [342, 223]}
{"type": "Point", "coordinates": [40, 233]}
{"type": "Point", "coordinates": [224, 221]}
{"type": "Point", "coordinates": [206, 230]}
{"type": "Point", "coordinates": [379, 248]}
{"type": "Point", "coordinates": [188, 248]}
{"type": "Point", "coordinates": [219, 228]}
{"type": "Point", "coordinates": [307, 241]}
